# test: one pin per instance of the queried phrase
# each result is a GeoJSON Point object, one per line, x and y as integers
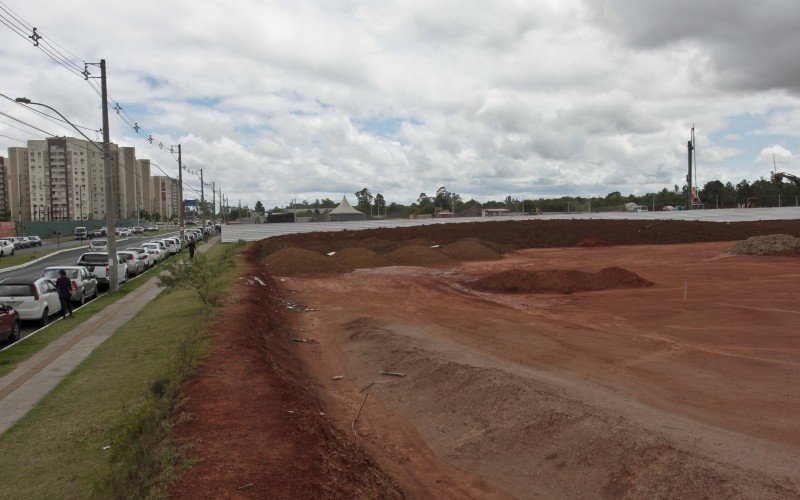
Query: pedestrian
{"type": "Point", "coordinates": [64, 287]}
{"type": "Point", "coordinates": [191, 247]}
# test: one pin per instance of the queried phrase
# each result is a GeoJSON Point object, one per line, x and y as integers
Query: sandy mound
{"type": "Point", "coordinates": [416, 255]}
{"type": "Point", "coordinates": [469, 250]}
{"type": "Point", "coordinates": [593, 242]}
{"type": "Point", "coordinates": [559, 281]}
{"type": "Point", "coordinates": [359, 258]}
{"type": "Point", "coordinates": [293, 261]}
{"type": "Point", "coordinates": [771, 244]}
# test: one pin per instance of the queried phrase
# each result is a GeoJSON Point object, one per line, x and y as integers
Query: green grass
{"type": "Point", "coordinates": [17, 259]}
{"type": "Point", "coordinates": [122, 395]}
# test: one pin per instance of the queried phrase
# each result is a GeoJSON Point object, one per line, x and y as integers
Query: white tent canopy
{"type": "Point", "coordinates": [344, 208]}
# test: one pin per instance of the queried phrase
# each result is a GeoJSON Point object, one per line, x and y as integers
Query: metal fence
{"type": "Point", "coordinates": [50, 229]}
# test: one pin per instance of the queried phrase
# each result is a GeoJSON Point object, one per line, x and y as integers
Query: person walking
{"type": "Point", "coordinates": [64, 287]}
{"type": "Point", "coordinates": [191, 245]}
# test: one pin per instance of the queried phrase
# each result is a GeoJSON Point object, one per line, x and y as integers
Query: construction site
{"type": "Point", "coordinates": [513, 359]}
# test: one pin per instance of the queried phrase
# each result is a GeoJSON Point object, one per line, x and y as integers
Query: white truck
{"type": "Point", "coordinates": [99, 264]}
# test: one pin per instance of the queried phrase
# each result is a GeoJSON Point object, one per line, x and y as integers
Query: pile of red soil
{"type": "Point", "coordinates": [559, 281]}
{"type": "Point", "coordinates": [469, 250]}
{"type": "Point", "coordinates": [423, 242]}
{"type": "Point", "coordinates": [378, 245]}
{"type": "Point", "coordinates": [294, 261]}
{"type": "Point", "coordinates": [416, 255]}
{"type": "Point", "coordinates": [359, 258]}
{"type": "Point", "coordinates": [497, 247]}
{"type": "Point", "coordinates": [593, 242]}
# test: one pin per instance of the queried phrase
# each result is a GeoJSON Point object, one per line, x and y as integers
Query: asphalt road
{"type": "Point", "coordinates": [64, 258]}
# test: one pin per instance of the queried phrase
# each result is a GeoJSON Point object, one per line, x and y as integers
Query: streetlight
{"type": "Point", "coordinates": [104, 151]}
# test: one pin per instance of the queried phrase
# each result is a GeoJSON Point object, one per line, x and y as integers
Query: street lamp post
{"type": "Point", "coordinates": [110, 221]}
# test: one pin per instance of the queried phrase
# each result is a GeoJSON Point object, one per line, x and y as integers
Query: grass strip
{"type": "Point", "coordinates": [121, 396]}
{"type": "Point", "coordinates": [20, 258]}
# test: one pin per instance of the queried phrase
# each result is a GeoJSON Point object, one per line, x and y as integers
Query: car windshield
{"type": "Point", "coordinates": [53, 273]}
{"type": "Point", "coordinates": [10, 290]}
{"type": "Point", "coordinates": [99, 243]}
{"type": "Point", "coordinates": [97, 258]}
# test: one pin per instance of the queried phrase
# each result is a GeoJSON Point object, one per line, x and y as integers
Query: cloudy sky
{"type": "Point", "coordinates": [309, 99]}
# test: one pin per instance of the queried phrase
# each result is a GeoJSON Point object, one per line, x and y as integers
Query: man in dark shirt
{"type": "Point", "coordinates": [64, 287]}
{"type": "Point", "coordinates": [192, 245]}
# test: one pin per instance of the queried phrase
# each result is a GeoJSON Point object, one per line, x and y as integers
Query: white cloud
{"type": "Point", "coordinates": [276, 100]}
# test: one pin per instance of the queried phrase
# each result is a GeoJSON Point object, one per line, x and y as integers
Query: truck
{"type": "Point", "coordinates": [99, 264]}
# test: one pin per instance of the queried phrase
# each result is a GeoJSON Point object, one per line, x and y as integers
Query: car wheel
{"type": "Point", "coordinates": [16, 332]}
{"type": "Point", "coordinates": [45, 317]}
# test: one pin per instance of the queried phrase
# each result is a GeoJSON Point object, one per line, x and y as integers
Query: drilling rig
{"type": "Point", "coordinates": [692, 200]}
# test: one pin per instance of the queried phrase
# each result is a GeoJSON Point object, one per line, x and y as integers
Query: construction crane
{"type": "Point", "coordinates": [777, 177]}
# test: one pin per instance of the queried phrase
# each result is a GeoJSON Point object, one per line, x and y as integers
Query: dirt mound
{"type": "Point", "coordinates": [559, 281]}
{"type": "Point", "coordinates": [497, 247]}
{"type": "Point", "coordinates": [359, 258]}
{"type": "Point", "coordinates": [416, 255]}
{"type": "Point", "coordinates": [593, 242]}
{"type": "Point", "coordinates": [771, 244]}
{"type": "Point", "coordinates": [423, 242]}
{"type": "Point", "coordinates": [294, 261]}
{"type": "Point", "coordinates": [378, 245]}
{"type": "Point", "coordinates": [469, 250]}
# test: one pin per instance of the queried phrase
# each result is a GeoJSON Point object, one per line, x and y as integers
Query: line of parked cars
{"type": "Point", "coordinates": [17, 242]}
{"type": "Point", "coordinates": [22, 300]}
{"type": "Point", "coordinates": [83, 233]}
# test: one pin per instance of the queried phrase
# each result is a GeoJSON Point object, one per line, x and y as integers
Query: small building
{"type": "Point", "coordinates": [495, 212]}
{"type": "Point", "coordinates": [345, 212]}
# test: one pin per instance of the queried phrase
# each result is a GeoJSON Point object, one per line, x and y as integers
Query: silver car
{"type": "Point", "coordinates": [133, 262]}
{"type": "Point", "coordinates": [98, 246]}
{"type": "Point", "coordinates": [84, 284]}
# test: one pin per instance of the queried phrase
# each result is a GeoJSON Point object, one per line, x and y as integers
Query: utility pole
{"type": "Point", "coordinates": [180, 194]}
{"type": "Point", "coordinates": [690, 150]}
{"type": "Point", "coordinates": [113, 283]}
{"type": "Point", "coordinates": [214, 204]}
{"type": "Point", "coordinates": [202, 200]}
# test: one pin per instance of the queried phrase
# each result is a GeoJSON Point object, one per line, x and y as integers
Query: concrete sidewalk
{"type": "Point", "coordinates": [27, 384]}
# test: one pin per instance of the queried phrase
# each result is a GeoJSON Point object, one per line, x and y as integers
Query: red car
{"type": "Point", "coordinates": [9, 323]}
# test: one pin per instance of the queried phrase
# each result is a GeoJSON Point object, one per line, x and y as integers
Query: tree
{"type": "Point", "coordinates": [446, 199]}
{"type": "Point", "coordinates": [380, 203]}
{"type": "Point", "coordinates": [364, 199]}
{"type": "Point", "coordinates": [260, 207]}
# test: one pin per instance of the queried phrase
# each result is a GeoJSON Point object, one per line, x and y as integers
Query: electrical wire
{"type": "Point", "coordinates": [24, 123]}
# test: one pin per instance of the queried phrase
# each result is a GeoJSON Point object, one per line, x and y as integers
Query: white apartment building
{"type": "Point", "coordinates": [167, 196]}
{"type": "Point", "coordinates": [4, 208]}
{"type": "Point", "coordinates": [18, 184]}
{"type": "Point", "coordinates": [145, 186]}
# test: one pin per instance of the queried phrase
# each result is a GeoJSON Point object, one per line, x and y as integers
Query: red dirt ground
{"type": "Point", "coordinates": [628, 392]}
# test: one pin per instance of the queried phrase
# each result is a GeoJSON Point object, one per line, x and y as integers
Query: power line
{"type": "Point", "coordinates": [24, 123]}
{"type": "Point", "coordinates": [12, 138]}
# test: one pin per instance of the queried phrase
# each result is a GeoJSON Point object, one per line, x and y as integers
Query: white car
{"type": "Point", "coordinates": [84, 284]}
{"type": "Point", "coordinates": [37, 300]}
{"type": "Point", "coordinates": [160, 253]}
{"type": "Point", "coordinates": [98, 246]}
{"type": "Point", "coordinates": [170, 245]}
{"type": "Point", "coordinates": [149, 259]}
{"type": "Point", "coordinates": [125, 231]}
{"type": "Point", "coordinates": [133, 262]}
{"type": "Point", "coordinates": [6, 248]}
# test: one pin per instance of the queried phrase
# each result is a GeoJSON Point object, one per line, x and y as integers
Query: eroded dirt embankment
{"type": "Point", "coordinates": [252, 421]}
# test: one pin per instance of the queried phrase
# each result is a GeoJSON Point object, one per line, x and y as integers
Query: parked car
{"type": "Point", "coordinates": [149, 258]}
{"type": "Point", "coordinates": [37, 300]}
{"type": "Point", "coordinates": [96, 233]}
{"type": "Point", "coordinates": [6, 247]}
{"type": "Point", "coordinates": [158, 251]}
{"type": "Point", "coordinates": [98, 246]}
{"type": "Point", "coordinates": [81, 233]}
{"type": "Point", "coordinates": [125, 232]}
{"type": "Point", "coordinates": [152, 228]}
{"type": "Point", "coordinates": [138, 230]}
{"type": "Point", "coordinates": [21, 242]}
{"type": "Point", "coordinates": [35, 241]}
{"type": "Point", "coordinates": [99, 264]}
{"type": "Point", "coordinates": [170, 246]}
{"type": "Point", "coordinates": [133, 262]}
{"type": "Point", "coordinates": [9, 323]}
{"type": "Point", "coordinates": [84, 284]}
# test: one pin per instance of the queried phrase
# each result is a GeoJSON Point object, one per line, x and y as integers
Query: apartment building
{"type": "Point", "coordinates": [18, 184]}
{"type": "Point", "coordinates": [4, 209]}
{"type": "Point", "coordinates": [63, 178]}
{"type": "Point", "coordinates": [168, 196]}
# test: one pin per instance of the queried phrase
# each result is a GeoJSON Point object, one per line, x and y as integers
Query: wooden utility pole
{"type": "Point", "coordinates": [202, 200]}
{"type": "Point", "coordinates": [113, 280]}
{"type": "Point", "coordinates": [180, 194]}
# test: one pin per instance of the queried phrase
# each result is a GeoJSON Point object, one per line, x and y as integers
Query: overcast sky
{"type": "Point", "coordinates": [302, 99]}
